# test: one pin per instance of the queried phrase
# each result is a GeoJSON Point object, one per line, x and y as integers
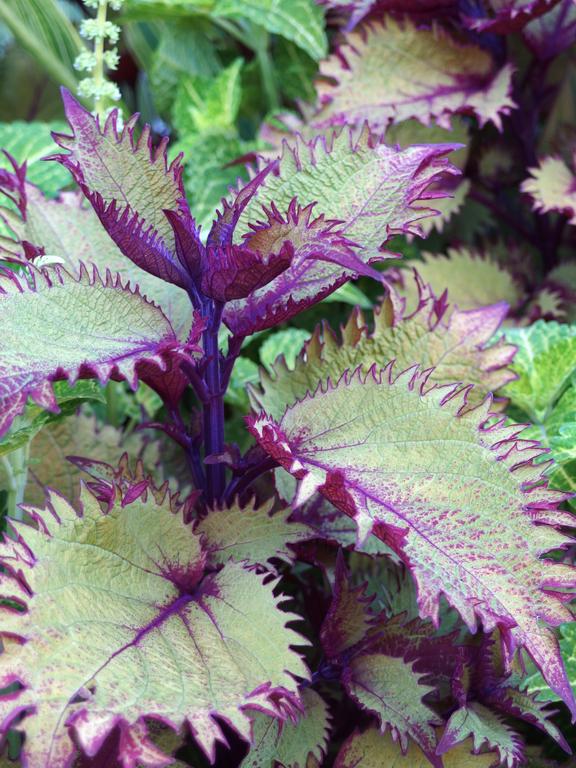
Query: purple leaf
{"type": "Point", "coordinates": [129, 184]}
{"type": "Point", "coordinates": [509, 15]}
{"type": "Point", "coordinates": [553, 32]}
{"type": "Point", "coordinates": [462, 503]}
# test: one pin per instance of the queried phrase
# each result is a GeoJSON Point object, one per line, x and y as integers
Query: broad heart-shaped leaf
{"type": "Point", "coordinates": [552, 187]}
{"type": "Point", "coordinates": [509, 15]}
{"type": "Point", "coordinates": [60, 327]}
{"type": "Point", "coordinates": [460, 502]}
{"type": "Point", "coordinates": [397, 70]}
{"type": "Point", "coordinates": [66, 230]}
{"type": "Point", "coordinates": [364, 192]}
{"type": "Point", "coordinates": [389, 687]}
{"type": "Point", "coordinates": [545, 363]}
{"type": "Point", "coordinates": [129, 184]}
{"type": "Point", "coordinates": [486, 728]}
{"type": "Point", "coordinates": [287, 744]}
{"type": "Point", "coordinates": [471, 278]}
{"type": "Point", "coordinates": [373, 749]}
{"type": "Point", "coordinates": [250, 533]}
{"type": "Point", "coordinates": [553, 32]}
{"type": "Point", "coordinates": [455, 344]}
{"type": "Point", "coordinates": [122, 624]}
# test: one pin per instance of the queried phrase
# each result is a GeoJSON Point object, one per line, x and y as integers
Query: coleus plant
{"type": "Point", "coordinates": [142, 626]}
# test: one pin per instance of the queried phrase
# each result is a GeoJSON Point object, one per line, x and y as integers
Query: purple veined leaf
{"type": "Point", "coordinates": [461, 502]}
{"type": "Point", "coordinates": [123, 625]}
{"type": "Point", "coordinates": [339, 234]}
{"type": "Point", "coordinates": [487, 729]}
{"type": "Point", "coordinates": [552, 187]}
{"type": "Point", "coordinates": [395, 70]}
{"type": "Point", "coordinates": [67, 228]}
{"type": "Point", "coordinates": [553, 32]}
{"type": "Point", "coordinates": [250, 533]}
{"type": "Point", "coordinates": [56, 326]}
{"type": "Point", "coordinates": [129, 184]}
{"type": "Point", "coordinates": [456, 345]}
{"type": "Point", "coordinates": [361, 9]}
{"type": "Point", "coordinates": [509, 15]}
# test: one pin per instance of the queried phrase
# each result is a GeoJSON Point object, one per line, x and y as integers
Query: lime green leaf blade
{"type": "Point", "coordinates": [123, 624]}
{"type": "Point", "coordinates": [31, 142]}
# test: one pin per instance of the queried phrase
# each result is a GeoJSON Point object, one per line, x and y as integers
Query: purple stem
{"type": "Point", "coordinates": [213, 407]}
{"type": "Point", "coordinates": [240, 483]}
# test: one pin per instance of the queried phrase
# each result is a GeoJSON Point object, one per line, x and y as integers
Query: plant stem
{"type": "Point", "coordinates": [98, 74]}
{"type": "Point", "coordinates": [213, 408]}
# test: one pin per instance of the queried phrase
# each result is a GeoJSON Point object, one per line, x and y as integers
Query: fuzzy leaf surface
{"type": "Point", "coordinates": [123, 624]}
{"type": "Point", "coordinates": [461, 503]}
{"type": "Point", "coordinates": [59, 327]}
{"type": "Point", "coordinates": [250, 533]}
{"type": "Point", "coordinates": [129, 184]}
{"type": "Point", "coordinates": [552, 187]}
{"type": "Point", "coordinates": [364, 193]}
{"type": "Point", "coordinates": [373, 749]}
{"type": "Point", "coordinates": [66, 227]}
{"type": "Point", "coordinates": [397, 70]}
{"type": "Point", "coordinates": [290, 744]}
{"type": "Point", "coordinates": [456, 344]}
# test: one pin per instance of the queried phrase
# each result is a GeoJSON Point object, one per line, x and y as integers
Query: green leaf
{"type": "Point", "coordinates": [471, 278]}
{"type": "Point", "coordinates": [287, 343]}
{"type": "Point", "coordinates": [290, 745]}
{"type": "Point", "coordinates": [487, 729]}
{"type": "Point", "coordinates": [35, 419]}
{"type": "Point", "coordinates": [81, 435]}
{"type": "Point", "coordinates": [31, 142]}
{"type": "Point", "coordinates": [456, 346]}
{"type": "Point", "coordinates": [44, 30]}
{"type": "Point", "coordinates": [545, 363]}
{"type": "Point", "coordinates": [452, 492]}
{"type": "Point", "coordinates": [349, 294]}
{"type": "Point", "coordinates": [248, 533]}
{"type": "Point", "coordinates": [390, 688]}
{"type": "Point", "coordinates": [245, 372]}
{"type": "Point", "coordinates": [56, 326]}
{"type": "Point", "coordinates": [123, 624]}
{"type": "Point", "coordinates": [373, 749]}
{"type": "Point", "coordinates": [301, 21]}
{"type": "Point", "coordinates": [208, 105]}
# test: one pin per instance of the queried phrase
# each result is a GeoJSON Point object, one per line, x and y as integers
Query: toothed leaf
{"type": "Point", "coordinates": [487, 729]}
{"type": "Point", "coordinates": [250, 533]}
{"type": "Point", "coordinates": [290, 744]}
{"type": "Point", "coordinates": [287, 343]}
{"type": "Point", "coordinates": [389, 688]}
{"type": "Point", "coordinates": [535, 683]}
{"type": "Point", "coordinates": [472, 279]}
{"type": "Point", "coordinates": [455, 344]}
{"type": "Point", "coordinates": [372, 749]}
{"type": "Point", "coordinates": [397, 70]}
{"type": "Point", "coordinates": [68, 229]}
{"type": "Point", "coordinates": [129, 184]}
{"type": "Point", "coordinates": [545, 363]}
{"type": "Point", "coordinates": [460, 503]}
{"type": "Point", "coordinates": [122, 624]}
{"type": "Point", "coordinates": [58, 327]}
{"type": "Point", "coordinates": [371, 189]}
{"type": "Point", "coordinates": [552, 187]}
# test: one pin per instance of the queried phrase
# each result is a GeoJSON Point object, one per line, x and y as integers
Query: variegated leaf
{"type": "Point", "coordinates": [461, 502]}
